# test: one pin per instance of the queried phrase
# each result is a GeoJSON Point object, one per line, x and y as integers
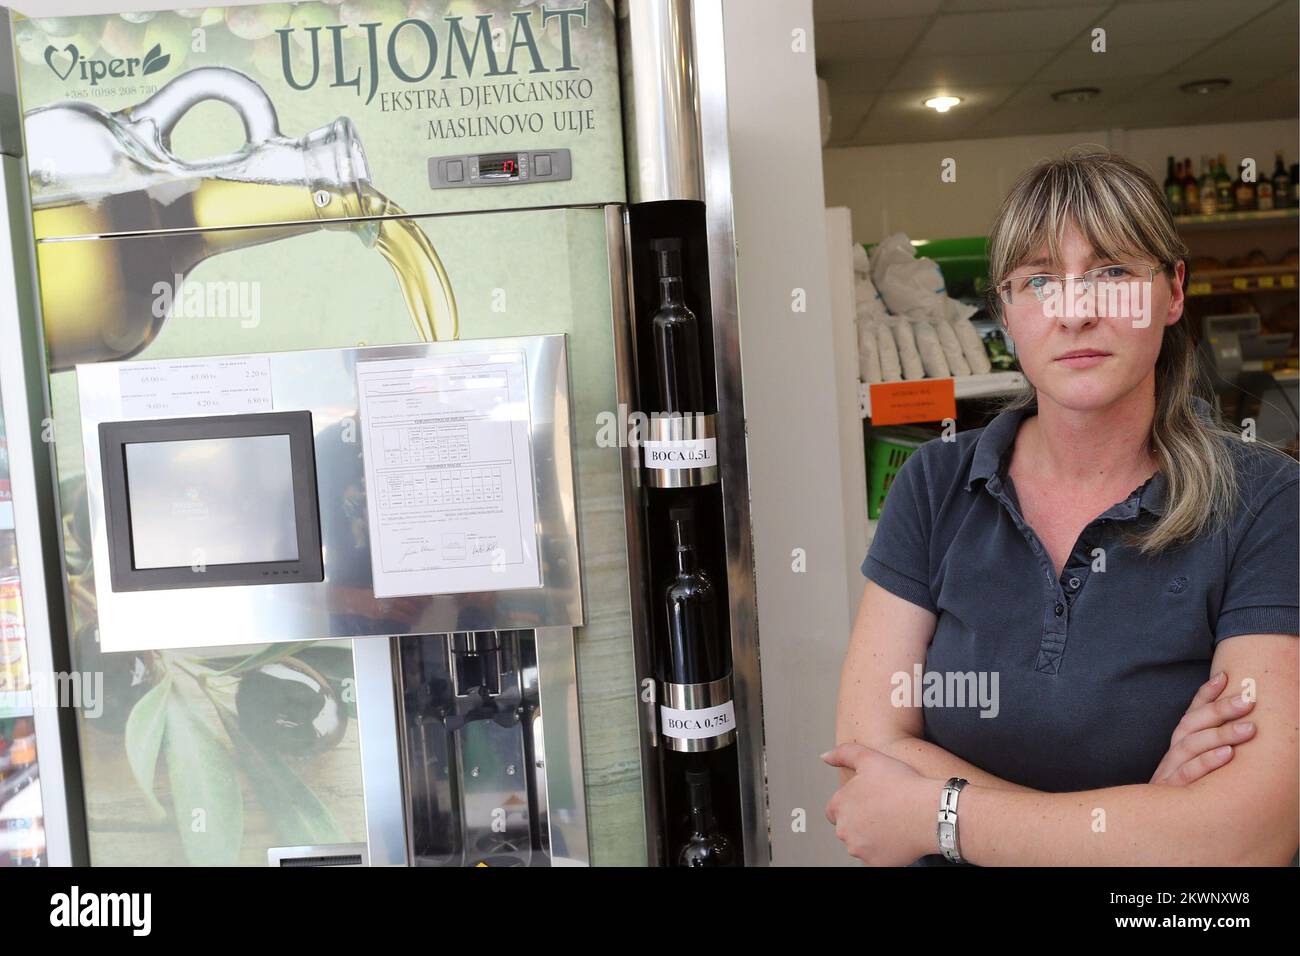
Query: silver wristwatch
{"type": "Point", "coordinates": [949, 844]}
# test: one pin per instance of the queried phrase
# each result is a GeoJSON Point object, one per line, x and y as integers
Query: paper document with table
{"type": "Point", "coordinates": [449, 474]}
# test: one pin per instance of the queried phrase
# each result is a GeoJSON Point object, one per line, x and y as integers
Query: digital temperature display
{"type": "Point", "coordinates": [500, 166]}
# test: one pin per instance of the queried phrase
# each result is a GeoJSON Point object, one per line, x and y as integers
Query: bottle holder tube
{"type": "Point", "coordinates": [697, 717]}
{"type": "Point", "coordinates": [681, 451]}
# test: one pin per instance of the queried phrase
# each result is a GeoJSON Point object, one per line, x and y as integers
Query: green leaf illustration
{"type": "Point", "coordinates": [144, 736]}
{"type": "Point", "coordinates": [155, 60]}
{"type": "Point", "coordinates": [296, 814]}
{"type": "Point", "coordinates": [206, 799]}
{"type": "Point", "coordinates": [267, 655]}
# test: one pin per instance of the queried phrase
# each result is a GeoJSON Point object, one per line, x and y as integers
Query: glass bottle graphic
{"type": "Point", "coordinates": [97, 174]}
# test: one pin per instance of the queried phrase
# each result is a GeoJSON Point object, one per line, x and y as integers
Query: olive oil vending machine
{"type": "Point", "coordinates": [373, 391]}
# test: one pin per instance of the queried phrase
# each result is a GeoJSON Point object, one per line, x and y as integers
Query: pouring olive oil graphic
{"type": "Point", "coordinates": [100, 180]}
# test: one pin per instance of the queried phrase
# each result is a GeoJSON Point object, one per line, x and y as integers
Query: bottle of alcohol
{"type": "Point", "coordinates": [1173, 188]}
{"type": "Point", "coordinates": [1223, 198]}
{"type": "Point", "coordinates": [1243, 191]}
{"type": "Point", "coordinates": [676, 336]}
{"type": "Point", "coordinates": [706, 844]}
{"type": "Point", "coordinates": [1295, 184]}
{"type": "Point", "coordinates": [1281, 184]}
{"type": "Point", "coordinates": [696, 655]}
{"type": "Point", "coordinates": [1209, 195]}
{"type": "Point", "coordinates": [1264, 192]}
{"type": "Point", "coordinates": [1191, 189]}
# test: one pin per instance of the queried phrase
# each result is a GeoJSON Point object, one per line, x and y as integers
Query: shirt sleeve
{"type": "Point", "coordinates": [899, 557]}
{"type": "Point", "coordinates": [1262, 594]}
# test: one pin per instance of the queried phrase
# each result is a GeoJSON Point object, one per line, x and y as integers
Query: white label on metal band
{"type": "Point", "coordinates": [683, 453]}
{"type": "Point", "coordinates": [198, 386]}
{"type": "Point", "coordinates": [697, 724]}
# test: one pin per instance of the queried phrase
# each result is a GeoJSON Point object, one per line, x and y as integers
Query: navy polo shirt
{"type": "Point", "coordinates": [1095, 667]}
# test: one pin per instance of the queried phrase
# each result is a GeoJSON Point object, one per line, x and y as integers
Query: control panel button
{"type": "Point", "coordinates": [542, 164]}
{"type": "Point", "coordinates": [455, 171]}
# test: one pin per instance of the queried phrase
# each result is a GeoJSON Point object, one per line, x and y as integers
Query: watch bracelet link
{"type": "Point", "coordinates": [949, 843]}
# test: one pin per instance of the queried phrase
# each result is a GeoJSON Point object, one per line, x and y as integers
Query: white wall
{"type": "Point", "coordinates": [898, 187]}
{"type": "Point", "coordinates": [791, 411]}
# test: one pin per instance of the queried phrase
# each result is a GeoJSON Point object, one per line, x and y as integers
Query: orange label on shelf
{"type": "Point", "coordinates": [925, 400]}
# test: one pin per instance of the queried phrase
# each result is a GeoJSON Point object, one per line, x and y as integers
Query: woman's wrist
{"type": "Point", "coordinates": [925, 818]}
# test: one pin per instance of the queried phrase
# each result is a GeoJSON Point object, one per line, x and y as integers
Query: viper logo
{"type": "Point", "coordinates": [71, 50]}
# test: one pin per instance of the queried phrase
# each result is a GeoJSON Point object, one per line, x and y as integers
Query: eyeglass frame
{"type": "Point", "coordinates": [1151, 274]}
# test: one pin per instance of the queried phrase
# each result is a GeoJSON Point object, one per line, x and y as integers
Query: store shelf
{"type": "Point", "coordinates": [992, 385]}
{"type": "Point", "coordinates": [1236, 220]}
{"type": "Point", "coordinates": [1273, 278]}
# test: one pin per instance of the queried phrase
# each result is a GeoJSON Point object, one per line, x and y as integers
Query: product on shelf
{"type": "Point", "coordinates": [908, 327]}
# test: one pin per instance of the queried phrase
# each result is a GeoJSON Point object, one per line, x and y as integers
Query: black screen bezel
{"type": "Point", "coordinates": [125, 576]}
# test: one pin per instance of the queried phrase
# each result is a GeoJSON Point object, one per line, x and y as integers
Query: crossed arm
{"type": "Point", "coordinates": [1207, 809]}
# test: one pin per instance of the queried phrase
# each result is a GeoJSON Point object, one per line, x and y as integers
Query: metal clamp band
{"type": "Point", "coordinates": [715, 713]}
{"type": "Point", "coordinates": [681, 436]}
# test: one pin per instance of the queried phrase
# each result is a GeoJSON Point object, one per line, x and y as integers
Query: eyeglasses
{"type": "Point", "coordinates": [1039, 288]}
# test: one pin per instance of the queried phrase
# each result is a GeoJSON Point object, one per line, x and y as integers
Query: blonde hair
{"type": "Point", "coordinates": [1121, 211]}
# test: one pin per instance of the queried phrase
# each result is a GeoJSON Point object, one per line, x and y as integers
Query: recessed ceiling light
{"type": "Point", "coordinates": [1203, 87]}
{"type": "Point", "coordinates": [1078, 94]}
{"type": "Point", "coordinates": [942, 104]}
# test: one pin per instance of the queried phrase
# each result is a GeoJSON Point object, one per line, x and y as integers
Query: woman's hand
{"type": "Point", "coordinates": [1203, 740]}
{"type": "Point", "coordinates": [884, 815]}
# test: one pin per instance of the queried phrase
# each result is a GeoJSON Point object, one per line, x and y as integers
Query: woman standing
{"type": "Point", "coordinates": [1117, 567]}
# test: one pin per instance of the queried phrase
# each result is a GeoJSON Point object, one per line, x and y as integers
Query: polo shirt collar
{"type": "Point", "coordinates": [999, 435]}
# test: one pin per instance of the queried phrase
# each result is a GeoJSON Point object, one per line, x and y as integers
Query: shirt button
{"type": "Point", "coordinates": [1074, 583]}
{"type": "Point", "coordinates": [1060, 609]}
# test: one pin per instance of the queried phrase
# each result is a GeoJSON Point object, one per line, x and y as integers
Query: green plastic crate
{"type": "Point", "coordinates": [887, 449]}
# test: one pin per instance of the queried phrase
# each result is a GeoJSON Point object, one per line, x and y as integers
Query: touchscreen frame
{"type": "Point", "coordinates": [297, 426]}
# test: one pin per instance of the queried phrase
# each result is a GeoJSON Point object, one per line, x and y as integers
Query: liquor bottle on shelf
{"type": "Point", "coordinates": [1264, 193]}
{"type": "Point", "coordinates": [706, 844]}
{"type": "Point", "coordinates": [1281, 184]}
{"type": "Point", "coordinates": [1243, 193]}
{"type": "Point", "coordinates": [1295, 184]}
{"type": "Point", "coordinates": [1208, 194]}
{"type": "Point", "coordinates": [1173, 187]}
{"type": "Point", "coordinates": [1223, 198]}
{"type": "Point", "coordinates": [1191, 189]}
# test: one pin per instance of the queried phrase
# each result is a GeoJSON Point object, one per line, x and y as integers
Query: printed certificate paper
{"type": "Point", "coordinates": [449, 474]}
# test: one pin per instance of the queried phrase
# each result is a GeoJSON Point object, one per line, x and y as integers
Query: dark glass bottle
{"type": "Point", "coordinates": [1173, 188]}
{"type": "Point", "coordinates": [676, 336]}
{"type": "Point", "coordinates": [706, 844]}
{"type": "Point", "coordinates": [695, 654]}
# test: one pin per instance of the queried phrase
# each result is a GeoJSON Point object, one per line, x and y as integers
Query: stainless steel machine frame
{"type": "Point", "coordinates": [24, 392]}
{"type": "Point", "coordinates": [324, 381]}
{"type": "Point", "coordinates": [675, 119]}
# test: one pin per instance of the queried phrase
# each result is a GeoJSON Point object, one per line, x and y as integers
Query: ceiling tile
{"type": "Point", "coordinates": [1141, 23]}
{"type": "Point", "coordinates": [847, 113]}
{"type": "Point", "coordinates": [1006, 31]}
{"type": "Point", "coordinates": [955, 72]}
{"type": "Point", "coordinates": [985, 6]}
{"type": "Point", "coordinates": [1079, 65]}
{"type": "Point", "coordinates": [1266, 43]}
{"type": "Point", "coordinates": [900, 117]}
{"type": "Point", "coordinates": [867, 39]}
{"type": "Point", "coordinates": [1276, 98]}
{"type": "Point", "coordinates": [858, 76]}
{"type": "Point", "coordinates": [840, 10]}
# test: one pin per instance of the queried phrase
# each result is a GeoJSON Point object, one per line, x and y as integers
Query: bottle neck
{"type": "Point", "coordinates": [702, 820]}
{"type": "Point", "coordinates": [686, 563]}
{"type": "Point", "coordinates": [670, 290]}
